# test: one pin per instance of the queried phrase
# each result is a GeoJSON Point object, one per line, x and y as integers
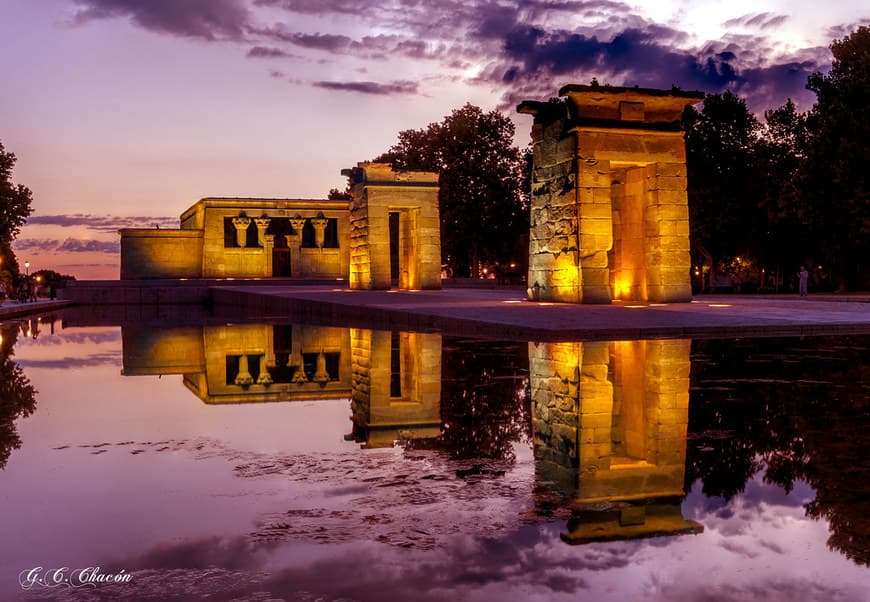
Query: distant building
{"type": "Point", "coordinates": [387, 235]}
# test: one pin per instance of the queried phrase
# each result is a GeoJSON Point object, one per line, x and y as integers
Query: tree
{"type": "Point", "coordinates": [17, 395]}
{"type": "Point", "coordinates": [484, 209]}
{"type": "Point", "coordinates": [338, 195]}
{"type": "Point", "coordinates": [724, 195]}
{"type": "Point", "coordinates": [834, 184]}
{"type": "Point", "coordinates": [14, 209]}
{"type": "Point", "coordinates": [780, 159]}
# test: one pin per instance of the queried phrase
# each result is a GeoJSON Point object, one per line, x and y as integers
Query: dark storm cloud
{"type": "Point", "coordinates": [396, 87]}
{"type": "Point", "coordinates": [521, 48]}
{"type": "Point", "coordinates": [204, 19]}
{"type": "Point", "coordinates": [265, 52]}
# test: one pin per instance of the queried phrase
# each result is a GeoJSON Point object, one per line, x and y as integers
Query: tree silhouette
{"type": "Point", "coordinates": [485, 400]}
{"type": "Point", "coordinates": [17, 395]}
{"type": "Point", "coordinates": [483, 204]}
{"type": "Point", "coordinates": [14, 209]}
{"type": "Point", "coordinates": [807, 423]}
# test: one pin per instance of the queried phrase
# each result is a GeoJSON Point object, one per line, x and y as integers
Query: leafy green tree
{"type": "Point", "coordinates": [15, 207]}
{"type": "Point", "coordinates": [834, 185]}
{"type": "Point", "coordinates": [484, 209]}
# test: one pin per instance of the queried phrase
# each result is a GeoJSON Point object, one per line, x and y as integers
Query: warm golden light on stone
{"type": "Point", "coordinates": [412, 197]}
{"type": "Point", "coordinates": [610, 423]}
{"type": "Point", "coordinates": [609, 211]}
{"type": "Point", "coordinates": [396, 386]}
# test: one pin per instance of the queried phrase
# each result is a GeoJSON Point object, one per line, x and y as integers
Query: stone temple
{"type": "Point", "coordinates": [609, 214]}
{"type": "Point", "coordinates": [387, 234]}
{"type": "Point", "coordinates": [610, 217]}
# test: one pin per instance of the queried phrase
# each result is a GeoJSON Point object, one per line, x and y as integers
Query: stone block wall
{"type": "Point", "coordinates": [153, 253]}
{"type": "Point", "coordinates": [378, 191]}
{"type": "Point", "coordinates": [609, 212]}
{"type": "Point", "coordinates": [380, 417]}
{"type": "Point", "coordinates": [610, 419]}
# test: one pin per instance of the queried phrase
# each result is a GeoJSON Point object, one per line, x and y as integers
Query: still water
{"type": "Point", "coordinates": [290, 462]}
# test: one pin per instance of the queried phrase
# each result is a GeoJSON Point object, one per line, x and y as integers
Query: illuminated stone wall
{"type": "Point", "coordinates": [251, 253]}
{"type": "Point", "coordinates": [156, 253]}
{"type": "Point", "coordinates": [396, 386]}
{"type": "Point", "coordinates": [243, 238]}
{"type": "Point", "coordinates": [609, 212]}
{"type": "Point", "coordinates": [245, 363]}
{"type": "Point", "coordinates": [378, 191]}
{"type": "Point", "coordinates": [609, 423]}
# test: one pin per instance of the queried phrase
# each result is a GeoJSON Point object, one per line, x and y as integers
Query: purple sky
{"type": "Point", "coordinates": [133, 107]}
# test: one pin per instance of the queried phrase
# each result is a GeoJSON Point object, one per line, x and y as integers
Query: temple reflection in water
{"type": "Point", "coordinates": [609, 419]}
{"type": "Point", "coordinates": [392, 378]}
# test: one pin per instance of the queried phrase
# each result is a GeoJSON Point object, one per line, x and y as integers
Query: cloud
{"type": "Point", "coordinates": [521, 49]}
{"type": "Point", "coordinates": [75, 245]}
{"type": "Point", "coordinates": [66, 363]}
{"type": "Point", "coordinates": [203, 19]}
{"type": "Point", "coordinates": [69, 245]}
{"type": "Point", "coordinates": [396, 87]}
{"type": "Point", "coordinates": [758, 20]}
{"type": "Point", "coordinates": [36, 244]}
{"type": "Point", "coordinates": [102, 223]}
{"type": "Point", "coordinates": [265, 52]}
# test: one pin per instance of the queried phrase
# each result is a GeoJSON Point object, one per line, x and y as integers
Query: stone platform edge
{"type": "Point", "coordinates": [229, 303]}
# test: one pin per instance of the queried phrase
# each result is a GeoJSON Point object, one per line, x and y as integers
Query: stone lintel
{"type": "Point", "coordinates": [641, 106]}
{"type": "Point", "coordinates": [383, 174]}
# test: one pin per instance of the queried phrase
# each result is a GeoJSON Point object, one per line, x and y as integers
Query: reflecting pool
{"type": "Point", "coordinates": [294, 462]}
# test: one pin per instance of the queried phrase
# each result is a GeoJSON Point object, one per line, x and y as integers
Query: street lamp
{"type": "Point", "coordinates": [27, 268]}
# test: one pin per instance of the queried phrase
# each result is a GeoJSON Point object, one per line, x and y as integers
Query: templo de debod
{"type": "Point", "coordinates": [389, 232]}
{"type": "Point", "coordinates": [609, 214]}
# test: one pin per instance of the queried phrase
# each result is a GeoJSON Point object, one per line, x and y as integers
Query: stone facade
{"type": "Point", "coordinates": [407, 203]}
{"type": "Point", "coordinates": [389, 234]}
{"type": "Point", "coordinates": [396, 386]}
{"type": "Point", "coordinates": [609, 212]}
{"type": "Point", "coordinates": [610, 422]}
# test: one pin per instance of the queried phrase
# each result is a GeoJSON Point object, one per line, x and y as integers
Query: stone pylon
{"type": "Point", "coordinates": [609, 212]}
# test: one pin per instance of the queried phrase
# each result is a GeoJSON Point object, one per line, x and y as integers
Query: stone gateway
{"type": "Point", "coordinates": [609, 212]}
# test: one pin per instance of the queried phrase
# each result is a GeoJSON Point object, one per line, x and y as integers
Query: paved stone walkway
{"type": "Point", "coordinates": [504, 313]}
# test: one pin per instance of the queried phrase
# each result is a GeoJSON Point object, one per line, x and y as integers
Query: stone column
{"type": "Point", "coordinates": [319, 224]}
{"type": "Point", "coordinates": [262, 224]}
{"type": "Point", "coordinates": [268, 246]}
{"type": "Point", "coordinates": [264, 378]}
{"type": "Point", "coordinates": [294, 243]}
{"type": "Point", "coordinates": [241, 224]}
{"type": "Point", "coordinates": [320, 374]}
{"type": "Point", "coordinates": [296, 359]}
{"type": "Point", "coordinates": [244, 378]}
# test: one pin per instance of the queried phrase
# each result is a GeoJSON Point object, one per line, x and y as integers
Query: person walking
{"type": "Point", "coordinates": [803, 276]}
